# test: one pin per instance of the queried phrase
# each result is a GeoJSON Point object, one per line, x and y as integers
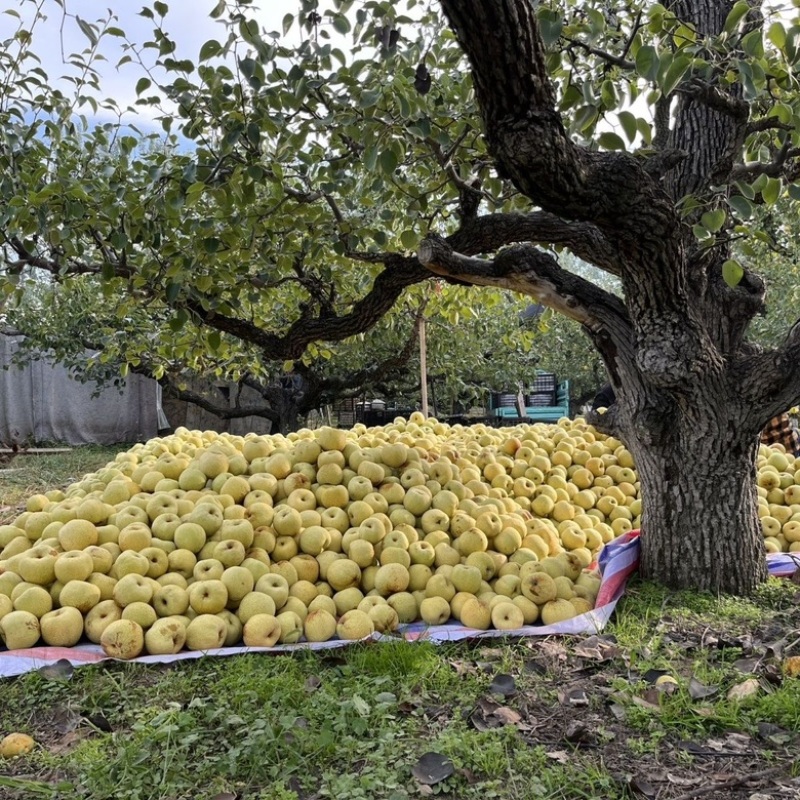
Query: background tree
{"type": "Point", "coordinates": [270, 217]}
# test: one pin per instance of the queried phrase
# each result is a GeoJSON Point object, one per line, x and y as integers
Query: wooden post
{"type": "Point", "coordinates": [423, 366]}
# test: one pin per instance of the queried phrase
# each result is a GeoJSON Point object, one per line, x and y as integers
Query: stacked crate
{"type": "Point", "coordinates": [542, 391]}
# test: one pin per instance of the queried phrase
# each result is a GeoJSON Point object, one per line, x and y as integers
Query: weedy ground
{"type": "Point", "coordinates": [25, 475]}
{"type": "Point", "coordinates": [516, 719]}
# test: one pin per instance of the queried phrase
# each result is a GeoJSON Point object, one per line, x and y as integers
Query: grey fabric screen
{"type": "Point", "coordinates": [41, 403]}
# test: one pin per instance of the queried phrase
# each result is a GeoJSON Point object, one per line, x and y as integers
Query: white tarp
{"type": "Point", "coordinates": [42, 403]}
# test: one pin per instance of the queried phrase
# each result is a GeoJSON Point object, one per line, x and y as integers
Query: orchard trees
{"type": "Point", "coordinates": [258, 205]}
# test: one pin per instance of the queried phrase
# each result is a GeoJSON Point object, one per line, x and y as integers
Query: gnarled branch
{"type": "Point", "coordinates": [528, 270]}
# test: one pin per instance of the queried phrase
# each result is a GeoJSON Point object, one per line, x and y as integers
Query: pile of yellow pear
{"type": "Point", "coordinates": [201, 540]}
{"type": "Point", "coordinates": [778, 486]}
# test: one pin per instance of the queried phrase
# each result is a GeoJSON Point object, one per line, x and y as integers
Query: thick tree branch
{"type": "Point", "coordinates": [705, 93]}
{"type": "Point", "coordinates": [661, 162]}
{"type": "Point", "coordinates": [25, 258]}
{"type": "Point", "coordinates": [782, 166]}
{"type": "Point", "coordinates": [317, 386]}
{"type": "Point", "coordinates": [526, 135]}
{"type": "Point", "coordinates": [774, 377]}
{"type": "Point", "coordinates": [533, 272]}
{"type": "Point", "coordinates": [766, 124]}
{"type": "Point", "coordinates": [400, 273]}
{"type": "Point", "coordinates": [490, 232]}
{"type": "Point", "coordinates": [661, 123]}
{"type": "Point", "coordinates": [603, 55]}
{"type": "Point", "coordinates": [222, 411]}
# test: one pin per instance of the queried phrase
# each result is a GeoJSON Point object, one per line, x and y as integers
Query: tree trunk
{"type": "Point", "coordinates": [700, 526]}
{"type": "Point", "coordinates": [288, 412]}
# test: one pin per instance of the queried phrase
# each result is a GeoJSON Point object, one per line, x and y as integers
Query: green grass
{"type": "Point", "coordinates": [352, 723]}
{"type": "Point", "coordinates": [285, 726]}
{"type": "Point", "coordinates": [26, 475]}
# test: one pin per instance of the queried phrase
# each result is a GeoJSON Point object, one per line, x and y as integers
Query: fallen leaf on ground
{"type": "Point", "coordinates": [599, 648]}
{"type": "Point", "coordinates": [432, 768]}
{"type": "Point", "coordinates": [699, 691]}
{"type": "Point", "coordinates": [578, 732]}
{"type": "Point", "coordinates": [507, 715]}
{"type": "Point", "coordinates": [652, 675]}
{"type": "Point", "coordinates": [791, 667]}
{"type": "Point", "coordinates": [748, 665]}
{"type": "Point", "coordinates": [742, 691]}
{"type": "Point", "coordinates": [60, 670]}
{"type": "Point", "coordinates": [574, 697]}
{"type": "Point", "coordinates": [504, 685]}
{"type": "Point", "coordinates": [69, 741]}
{"type": "Point", "coordinates": [774, 733]}
{"type": "Point", "coordinates": [643, 787]}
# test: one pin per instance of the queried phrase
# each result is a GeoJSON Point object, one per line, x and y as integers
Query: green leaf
{"type": "Point", "coordinates": [742, 206]}
{"type": "Point", "coordinates": [585, 118]}
{"type": "Point", "coordinates": [172, 292]}
{"type": "Point", "coordinates": [645, 130]}
{"type": "Point", "coordinates": [647, 62]}
{"type": "Point", "coordinates": [341, 24]}
{"type": "Point", "coordinates": [735, 16]}
{"type": "Point", "coordinates": [388, 159]}
{"type": "Point", "coordinates": [214, 340]}
{"type": "Point", "coordinates": [550, 26]}
{"type": "Point", "coordinates": [210, 49]}
{"type": "Point", "coordinates": [287, 23]}
{"type": "Point", "coordinates": [753, 44]}
{"type": "Point", "coordinates": [161, 8]}
{"type": "Point", "coordinates": [88, 30]}
{"type": "Point", "coordinates": [771, 191]}
{"type": "Point", "coordinates": [777, 35]}
{"type": "Point", "coordinates": [142, 85]}
{"type": "Point", "coordinates": [746, 189]}
{"type": "Point", "coordinates": [608, 94]}
{"type": "Point", "coordinates": [409, 239]}
{"type": "Point", "coordinates": [713, 220]}
{"type": "Point", "coordinates": [674, 73]}
{"type": "Point", "coordinates": [783, 112]}
{"type": "Point", "coordinates": [794, 191]}
{"type": "Point", "coordinates": [610, 141]}
{"type": "Point", "coordinates": [628, 122]}
{"type": "Point", "coordinates": [371, 157]}
{"type": "Point", "coordinates": [732, 272]}
{"type": "Point", "coordinates": [369, 98]}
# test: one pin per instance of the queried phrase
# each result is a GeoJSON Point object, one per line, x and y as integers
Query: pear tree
{"type": "Point", "coordinates": [648, 134]}
{"type": "Point", "coordinates": [242, 221]}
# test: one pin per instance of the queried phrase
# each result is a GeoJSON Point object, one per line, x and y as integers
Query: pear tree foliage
{"type": "Point", "coordinates": [258, 205]}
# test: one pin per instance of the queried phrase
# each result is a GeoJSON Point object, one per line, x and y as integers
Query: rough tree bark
{"type": "Point", "coordinates": [692, 393]}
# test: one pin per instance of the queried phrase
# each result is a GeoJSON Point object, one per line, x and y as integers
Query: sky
{"type": "Point", "coordinates": [187, 22]}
